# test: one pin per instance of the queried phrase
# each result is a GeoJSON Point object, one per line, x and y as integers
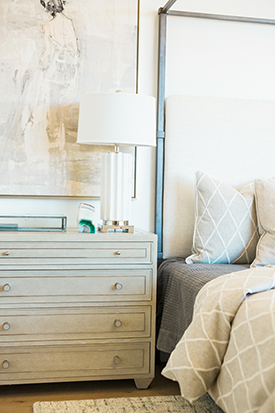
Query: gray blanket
{"type": "Point", "coordinates": [178, 285]}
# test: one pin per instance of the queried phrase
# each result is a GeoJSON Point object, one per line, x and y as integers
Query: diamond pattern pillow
{"type": "Point", "coordinates": [265, 203]}
{"type": "Point", "coordinates": [225, 223]}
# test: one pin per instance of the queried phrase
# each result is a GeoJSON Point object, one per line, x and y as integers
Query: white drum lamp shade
{"type": "Point", "coordinates": [116, 119]}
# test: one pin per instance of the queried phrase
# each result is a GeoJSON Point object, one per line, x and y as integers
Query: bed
{"type": "Point", "coordinates": [215, 205]}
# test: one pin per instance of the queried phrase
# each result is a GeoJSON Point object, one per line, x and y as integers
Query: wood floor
{"type": "Point", "coordinates": [20, 398]}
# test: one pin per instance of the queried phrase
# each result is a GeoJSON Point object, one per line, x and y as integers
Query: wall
{"type": "Point", "coordinates": [216, 78]}
{"type": "Point", "coordinates": [205, 57]}
{"type": "Point", "coordinates": [214, 58]}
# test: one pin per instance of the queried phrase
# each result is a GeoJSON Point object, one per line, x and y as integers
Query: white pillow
{"type": "Point", "coordinates": [265, 206]}
{"type": "Point", "coordinates": [225, 223]}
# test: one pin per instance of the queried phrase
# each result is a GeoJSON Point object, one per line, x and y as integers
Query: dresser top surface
{"type": "Point", "coordinates": [73, 235]}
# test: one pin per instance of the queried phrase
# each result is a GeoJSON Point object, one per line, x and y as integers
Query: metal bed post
{"type": "Point", "coordinates": [163, 14]}
{"type": "Point", "coordinates": [161, 123]}
{"type": "Point", "coordinates": [160, 131]}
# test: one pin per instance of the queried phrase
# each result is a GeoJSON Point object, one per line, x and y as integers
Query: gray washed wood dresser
{"type": "Point", "coordinates": [77, 306]}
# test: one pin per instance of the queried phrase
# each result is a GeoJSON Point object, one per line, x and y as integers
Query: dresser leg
{"type": "Point", "coordinates": [143, 383]}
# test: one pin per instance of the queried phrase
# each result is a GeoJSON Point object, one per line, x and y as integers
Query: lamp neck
{"type": "Point", "coordinates": [116, 148]}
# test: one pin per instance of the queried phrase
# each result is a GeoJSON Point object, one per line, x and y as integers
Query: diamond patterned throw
{"type": "Point", "coordinates": [228, 349]}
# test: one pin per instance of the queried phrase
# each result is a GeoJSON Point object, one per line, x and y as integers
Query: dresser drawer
{"type": "Point", "coordinates": [77, 324]}
{"type": "Point", "coordinates": [71, 253]}
{"type": "Point", "coordinates": [72, 286]}
{"type": "Point", "coordinates": [68, 363]}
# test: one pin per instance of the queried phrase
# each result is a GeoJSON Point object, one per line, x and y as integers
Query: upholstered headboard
{"type": "Point", "coordinates": [232, 140]}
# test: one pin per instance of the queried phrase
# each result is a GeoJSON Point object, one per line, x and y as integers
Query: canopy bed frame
{"type": "Point", "coordinates": [164, 13]}
{"type": "Point", "coordinates": [215, 200]}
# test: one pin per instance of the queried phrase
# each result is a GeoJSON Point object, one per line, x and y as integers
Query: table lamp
{"type": "Point", "coordinates": [117, 119]}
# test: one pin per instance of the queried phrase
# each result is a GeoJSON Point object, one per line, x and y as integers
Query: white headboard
{"type": "Point", "coordinates": [232, 140]}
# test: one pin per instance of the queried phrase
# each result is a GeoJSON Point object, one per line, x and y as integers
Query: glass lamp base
{"type": "Point", "coordinates": [116, 186]}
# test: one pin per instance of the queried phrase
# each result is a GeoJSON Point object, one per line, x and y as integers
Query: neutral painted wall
{"type": "Point", "coordinates": [189, 74]}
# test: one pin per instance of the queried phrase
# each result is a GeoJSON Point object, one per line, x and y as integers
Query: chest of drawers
{"type": "Point", "coordinates": [77, 306]}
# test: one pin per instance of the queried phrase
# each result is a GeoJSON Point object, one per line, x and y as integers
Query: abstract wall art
{"type": "Point", "coordinates": [50, 53]}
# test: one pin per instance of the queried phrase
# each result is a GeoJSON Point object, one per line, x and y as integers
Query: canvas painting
{"type": "Point", "coordinates": [50, 53]}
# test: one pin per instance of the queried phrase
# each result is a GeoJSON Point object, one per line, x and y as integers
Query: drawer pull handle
{"type": "Point", "coordinates": [118, 323]}
{"type": "Point", "coordinates": [118, 286]}
{"type": "Point", "coordinates": [118, 253]}
{"type": "Point", "coordinates": [117, 360]}
{"type": "Point", "coordinates": [6, 253]}
{"type": "Point", "coordinates": [6, 326]}
{"type": "Point", "coordinates": [7, 287]}
{"type": "Point", "coordinates": [6, 364]}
